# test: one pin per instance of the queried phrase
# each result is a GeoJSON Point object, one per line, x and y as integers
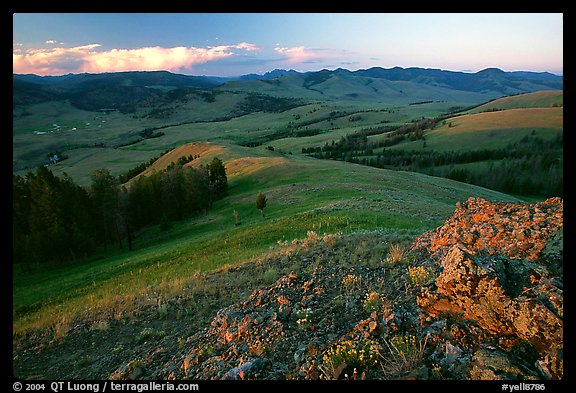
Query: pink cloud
{"type": "Point", "coordinates": [247, 46]}
{"type": "Point", "coordinates": [88, 58]}
{"type": "Point", "coordinates": [298, 54]}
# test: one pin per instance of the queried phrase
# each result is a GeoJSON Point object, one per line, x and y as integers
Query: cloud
{"type": "Point", "coordinates": [247, 46]}
{"type": "Point", "coordinates": [89, 58]}
{"type": "Point", "coordinates": [302, 55]}
{"type": "Point", "coordinates": [298, 54]}
{"type": "Point", "coordinates": [51, 61]}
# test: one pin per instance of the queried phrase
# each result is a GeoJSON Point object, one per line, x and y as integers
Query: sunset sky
{"type": "Point", "coordinates": [235, 44]}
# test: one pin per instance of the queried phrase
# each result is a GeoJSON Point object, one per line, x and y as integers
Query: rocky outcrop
{"type": "Point", "coordinates": [514, 230]}
{"type": "Point", "coordinates": [480, 297]}
{"type": "Point", "coordinates": [491, 271]}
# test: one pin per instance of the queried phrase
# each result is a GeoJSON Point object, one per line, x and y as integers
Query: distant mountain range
{"type": "Point", "coordinates": [399, 85]}
{"type": "Point", "coordinates": [392, 85]}
{"type": "Point", "coordinates": [250, 77]}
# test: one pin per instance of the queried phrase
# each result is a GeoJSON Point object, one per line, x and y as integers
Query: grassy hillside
{"type": "Point", "coordinates": [490, 129]}
{"type": "Point", "coordinates": [87, 140]}
{"type": "Point", "coordinates": [538, 99]}
{"type": "Point", "coordinates": [397, 85]}
{"type": "Point", "coordinates": [517, 150]}
{"type": "Point", "coordinates": [59, 127]}
{"type": "Point", "coordinates": [303, 194]}
{"type": "Point", "coordinates": [334, 86]}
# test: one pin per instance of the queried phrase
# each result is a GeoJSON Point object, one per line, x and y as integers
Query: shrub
{"type": "Point", "coordinates": [261, 201]}
{"type": "Point", "coordinates": [420, 276]}
{"type": "Point", "coordinates": [235, 215]}
{"type": "Point", "coordinates": [304, 318]}
{"type": "Point", "coordinates": [372, 302]}
{"type": "Point", "coordinates": [149, 333]}
{"type": "Point", "coordinates": [100, 325]}
{"type": "Point", "coordinates": [118, 349]}
{"type": "Point", "coordinates": [348, 359]}
{"type": "Point", "coordinates": [269, 276]}
{"type": "Point", "coordinates": [331, 239]}
{"type": "Point", "coordinates": [350, 281]}
{"type": "Point", "coordinates": [162, 310]}
{"type": "Point", "coordinates": [311, 239]}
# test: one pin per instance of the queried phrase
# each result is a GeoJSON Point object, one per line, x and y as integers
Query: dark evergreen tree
{"type": "Point", "coordinates": [261, 202]}
{"type": "Point", "coordinates": [20, 213]}
{"type": "Point", "coordinates": [51, 219]}
{"type": "Point", "coordinates": [172, 191]}
{"type": "Point", "coordinates": [218, 178]}
{"type": "Point", "coordinates": [104, 195]}
{"type": "Point", "coordinates": [196, 184]}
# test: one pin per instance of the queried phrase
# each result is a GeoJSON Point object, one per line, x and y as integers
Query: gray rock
{"type": "Point", "coordinates": [497, 365]}
{"type": "Point", "coordinates": [249, 367]}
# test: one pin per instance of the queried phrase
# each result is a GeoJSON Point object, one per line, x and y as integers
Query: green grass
{"type": "Point", "coordinates": [303, 195]}
{"type": "Point", "coordinates": [361, 89]}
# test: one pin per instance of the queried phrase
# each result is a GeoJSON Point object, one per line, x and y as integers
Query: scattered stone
{"type": "Point", "coordinates": [244, 370]}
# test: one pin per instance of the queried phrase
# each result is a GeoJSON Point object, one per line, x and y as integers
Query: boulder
{"type": "Point", "coordinates": [500, 266]}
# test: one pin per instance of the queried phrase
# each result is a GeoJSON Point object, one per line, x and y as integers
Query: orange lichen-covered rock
{"type": "Point", "coordinates": [499, 265]}
{"type": "Point", "coordinates": [516, 230]}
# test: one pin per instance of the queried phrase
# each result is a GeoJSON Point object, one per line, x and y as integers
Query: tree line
{"type": "Point", "coordinates": [358, 141]}
{"type": "Point", "coordinates": [532, 166]}
{"type": "Point", "coordinates": [57, 221]}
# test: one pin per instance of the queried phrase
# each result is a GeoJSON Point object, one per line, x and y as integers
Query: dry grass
{"type": "Point", "coordinates": [396, 254]}
{"type": "Point", "coordinates": [405, 354]}
{"type": "Point", "coordinates": [500, 120]}
{"type": "Point", "coordinates": [204, 149]}
{"type": "Point", "coordinates": [248, 165]}
{"type": "Point", "coordinates": [537, 99]}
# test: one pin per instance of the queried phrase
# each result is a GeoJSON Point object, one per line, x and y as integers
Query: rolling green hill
{"type": "Point", "coordinates": [538, 99]}
{"type": "Point", "coordinates": [115, 140]}
{"type": "Point", "coordinates": [514, 144]}
{"type": "Point", "coordinates": [493, 129]}
{"type": "Point", "coordinates": [125, 91]}
{"type": "Point", "coordinates": [303, 194]}
{"type": "Point", "coordinates": [90, 118]}
{"type": "Point", "coordinates": [398, 85]}
{"type": "Point", "coordinates": [340, 86]}
{"type": "Point", "coordinates": [105, 137]}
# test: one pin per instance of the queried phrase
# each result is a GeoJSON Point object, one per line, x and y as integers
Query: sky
{"type": "Point", "coordinates": [232, 44]}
